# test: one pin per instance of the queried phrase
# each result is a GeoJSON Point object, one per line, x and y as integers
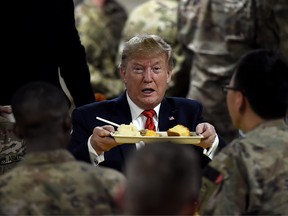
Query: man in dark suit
{"type": "Point", "coordinates": [146, 69]}
{"type": "Point", "coordinates": [40, 41]}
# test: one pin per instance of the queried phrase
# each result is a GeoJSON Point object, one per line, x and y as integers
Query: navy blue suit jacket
{"type": "Point", "coordinates": [172, 111]}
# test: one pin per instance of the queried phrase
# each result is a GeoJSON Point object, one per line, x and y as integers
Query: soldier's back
{"type": "Point", "coordinates": [252, 172]}
{"type": "Point", "coordinates": [56, 184]}
{"type": "Point", "coordinates": [267, 166]}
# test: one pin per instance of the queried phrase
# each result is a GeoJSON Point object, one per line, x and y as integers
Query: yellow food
{"type": "Point", "coordinates": [151, 133]}
{"type": "Point", "coordinates": [178, 130]}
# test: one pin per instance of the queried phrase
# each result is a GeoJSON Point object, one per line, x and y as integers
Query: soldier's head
{"type": "Point", "coordinates": [42, 117]}
{"type": "Point", "coordinates": [258, 89]}
{"type": "Point", "coordinates": [162, 179]}
{"type": "Point", "coordinates": [146, 69]}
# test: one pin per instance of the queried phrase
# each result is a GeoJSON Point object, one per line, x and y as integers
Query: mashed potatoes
{"type": "Point", "coordinates": [128, 130]}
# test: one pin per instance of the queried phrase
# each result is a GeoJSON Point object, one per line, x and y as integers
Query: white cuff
{"type": "Point", "coordinates": [94, 157]}
{"type": "Point", "coordinates": [211, 151]}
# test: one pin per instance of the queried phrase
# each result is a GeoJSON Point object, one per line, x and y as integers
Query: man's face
{"type": "Point", "coordinates": [146, 79]}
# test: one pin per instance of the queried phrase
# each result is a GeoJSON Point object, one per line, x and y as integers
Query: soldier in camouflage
{"type": "Point", "coordinates": [249, 176]}
{"type": "Point", "coordinates": [281, 13]}
{"type": "Point", "coordinates": [76, 2]}
{"type": "Point", "coordinates": [48, 180]}
{"type": "Point", "coordinates": [159, 17]}
{"type": "Point", "coordinates": [218, 33]}
{"type": "Point", "coordinates": [100, 24]}
{"type": "Point", "coordinates": [12, 148]}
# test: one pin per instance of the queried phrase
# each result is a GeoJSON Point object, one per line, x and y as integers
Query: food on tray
{"type": "Point", "coordinates": [131, 130]}
{"type": "Point", "coordinates": [178, 130]}
{"type": "Point", "coordinates": [127, 130]}
{"type": "Point", "coordinates": [148, 132]}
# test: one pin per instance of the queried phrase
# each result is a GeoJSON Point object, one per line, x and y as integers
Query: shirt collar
{"type": "Point", "coordinates": [136, 110]}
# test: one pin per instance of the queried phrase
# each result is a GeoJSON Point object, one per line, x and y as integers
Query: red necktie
{"type": "Point", "coordinates": [149, 122]}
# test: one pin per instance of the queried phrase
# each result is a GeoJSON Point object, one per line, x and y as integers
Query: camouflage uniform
{"type": "Point", "coordinates": [100, 32]}
{"type": "Point", "coordinates": [76, 2]}
{"type": "Point", "coordinates": [12, 148]}
{"type": "Point", "coordinates": [250, 175]}
{"type": "Point", "coordinates": [159, 17]}
{"type": "Point", "coordinates": [281, 13]}
{"type": "Point", "coordinates": [54, 183]}
{"type": "Point", "coordinates": [219, 32]}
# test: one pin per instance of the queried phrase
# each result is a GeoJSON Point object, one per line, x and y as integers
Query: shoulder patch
{"type": "Point", "coordinates": [213, 175]}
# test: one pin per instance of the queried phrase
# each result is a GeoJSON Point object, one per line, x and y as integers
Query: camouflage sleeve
{"type": "Point", "coordinates": [179, 84]}
{"type": "Point", "coordinates": [97, 36]}
{"type": "Point", "coordinates": [111, 179]}
{"type": "Point", "coordinates": [12, 148]}
{"type": "Point", "coordinates": [224, 187]}
{"type": "Point", "coordinates": [220, 27]}
{"type": "Point", "coordinates": [281, 13]}
{"type": "Point", "coordinates": [113, 182]}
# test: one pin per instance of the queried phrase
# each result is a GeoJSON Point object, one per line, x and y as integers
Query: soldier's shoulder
{"type": "Point", "coordinates": [112, 180]}
{"type": "Point", "coordinates": [12, 148]}
{"type": "Point", "coordinates": [110, 176]}
{"type": "Point", "coordinates": [226, 158]}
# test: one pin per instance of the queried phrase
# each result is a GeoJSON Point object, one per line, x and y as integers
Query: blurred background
{"type": "Point", "coordinates": [130, 4]}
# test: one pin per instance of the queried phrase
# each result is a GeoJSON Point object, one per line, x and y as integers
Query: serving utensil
{"type": "Point", "coordinates": [108, 122]}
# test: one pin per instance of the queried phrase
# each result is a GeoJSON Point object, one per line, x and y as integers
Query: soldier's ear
{"type": "Point", "coordinates": [18, 131]}
{"type": "Point", "coordinates": [241, 102]}
{"type": "Point", "coordinates": [67, 124]}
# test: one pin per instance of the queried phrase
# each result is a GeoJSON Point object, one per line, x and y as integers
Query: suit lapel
{"type": "Point", "coordinates": [167, 116]}
{"type": "Point", "coordinates": [122, 110]}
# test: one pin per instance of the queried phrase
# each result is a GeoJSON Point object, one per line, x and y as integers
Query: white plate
{"type": "Point", "coordinates": [193, 139]}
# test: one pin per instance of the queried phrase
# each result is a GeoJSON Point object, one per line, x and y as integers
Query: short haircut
{"type": "Point", "coordinates": [39, 107]}
{"type": "Point", "coordinates": [161, 179]}
{"type": "Point", "coordinates": [262, 76]}
{"type": "Point", "coordinates": [145, 45]}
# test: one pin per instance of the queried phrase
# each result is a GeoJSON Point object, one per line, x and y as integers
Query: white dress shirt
{"type": "Point", "coordinates": [139, 120]}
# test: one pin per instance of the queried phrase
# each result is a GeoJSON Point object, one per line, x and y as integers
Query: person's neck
{"type": "Point", "coordinates": [38, 145]}
{"type": "Point", "coordinates": [250, 121]}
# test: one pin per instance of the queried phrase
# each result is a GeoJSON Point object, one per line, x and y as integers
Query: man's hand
{"type": "Point", "coordinates": [101, 139]}
{"type": "Point", "coordinates": [208, 132]}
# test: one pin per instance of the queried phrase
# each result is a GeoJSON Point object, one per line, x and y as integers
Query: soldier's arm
{"type": "Point", "coordinates": [224, 187]}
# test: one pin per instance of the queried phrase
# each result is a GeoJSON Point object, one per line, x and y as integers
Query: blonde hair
{"type": "Point", "coordinates": [145, 45]}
